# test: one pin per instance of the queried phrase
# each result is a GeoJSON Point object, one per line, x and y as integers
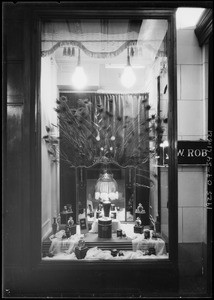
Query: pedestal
{"type": "Point", "coordinates": [138, 229]}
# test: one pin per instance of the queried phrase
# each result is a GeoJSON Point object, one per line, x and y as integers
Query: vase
{"type": "Point", "coordinates": [54, 226]}
{"type": "Point", "coordinates": [106, 208]}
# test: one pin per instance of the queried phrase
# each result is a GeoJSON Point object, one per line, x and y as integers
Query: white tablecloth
{"type": "Point", "coordinates": [139, 243]}
{"type": "Point", "coordinates": [115, 225]}
{"type": "Point", "coordinates": [61, 245]}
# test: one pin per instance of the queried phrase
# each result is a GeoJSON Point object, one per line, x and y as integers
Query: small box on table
{"type": "Point", "coordinates": [138, 229]}
{"type": "Point", "coordinates": [70, 230]}
{"type": "Point", "coordinates": [80, 252]}
{"type": "Point", "coordinates": [113, 215]}
{"type": "Point", "coordinates": [73, 229]}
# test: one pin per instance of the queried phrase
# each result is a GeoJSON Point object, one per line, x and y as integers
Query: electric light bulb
{"type": "Point", "coordinates": [128, 77]}
{"type": "Point", "coordinates": [79, 79]}
{"type": "Point", "coordinates": [166, 143]}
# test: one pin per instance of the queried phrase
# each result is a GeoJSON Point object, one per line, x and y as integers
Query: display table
{"type": "Point", "coordinates": [140, 243]}
{"type": "Point", "coordinates": [60, 245]}
{"type": "Point", "coordinates": [115, 225]}
{"type": "Point", "coordinates": [136, 242]}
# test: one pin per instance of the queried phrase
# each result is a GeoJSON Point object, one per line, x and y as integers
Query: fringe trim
{"type": "Point", "coordinates": [88, 52]}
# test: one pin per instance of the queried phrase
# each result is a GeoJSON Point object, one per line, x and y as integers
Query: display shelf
{"type": "Point", "coordinates": [92, 240]}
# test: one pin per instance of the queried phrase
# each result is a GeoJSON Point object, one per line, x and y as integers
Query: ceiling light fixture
{"type": "Point", "coordinates": [128, 77]}
{"type": "Point", "coordinates": [79, 79]}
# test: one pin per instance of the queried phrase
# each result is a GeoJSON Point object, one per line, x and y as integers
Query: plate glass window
{"type": "Point", "coordinates": [104, 148]}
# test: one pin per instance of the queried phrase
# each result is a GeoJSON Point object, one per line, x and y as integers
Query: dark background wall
{"type": "Point", "coordinates": [17, 124]}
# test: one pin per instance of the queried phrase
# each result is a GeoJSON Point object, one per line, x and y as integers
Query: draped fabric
{"type": "Point", "coordinates": [104, 127]}
{"type": "Point", "coordinates": [105, 38]}
{"type": "Point", "coordinates": [92, 36]}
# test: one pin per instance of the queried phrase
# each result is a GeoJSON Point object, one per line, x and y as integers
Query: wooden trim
{"type": "Point", "coordinates": [172, 136]}
{"type": "Point", "coordinates": [204, 27]}
{"type": "Point", "coordinates": [158, 169]}
{"type": "Point", "coordinates": [154, 264]}
{"type": "Point", "coordinates": [4, 135]}
{"type": "Point", "coordinates": [115, 5]}
{"type": "Point", "coordinates": [35, 155]}
{"type": "Point", "coordinates": [20, 103]}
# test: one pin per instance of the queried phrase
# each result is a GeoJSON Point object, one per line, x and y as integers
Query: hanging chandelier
{"type": "Point", "coordinates": [106, 190]}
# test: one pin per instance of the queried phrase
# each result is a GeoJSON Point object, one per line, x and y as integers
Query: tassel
{"type": "Point", "coordinates": [69, 51]}
{"type": "Point", "coordinates": [73, 51]}
{"type": "Point", "coordinates": [132, 51]}
{"type": "Point", "coordinates": [64, 51]}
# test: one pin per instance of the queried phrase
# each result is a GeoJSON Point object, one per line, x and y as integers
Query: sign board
{"type": "Point", "coordinates": [192, 152]}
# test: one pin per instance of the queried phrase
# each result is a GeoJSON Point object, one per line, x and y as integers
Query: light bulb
{"type": "Point", "coordinates": [128, 77]}
{"type": "Point", "coordinates": [166, 143]}
{"type": "Point", "coordinates": [79, 79]}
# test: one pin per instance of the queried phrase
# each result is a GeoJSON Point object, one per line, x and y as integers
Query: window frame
{"type": "Point", "coordinates": [128, 10]}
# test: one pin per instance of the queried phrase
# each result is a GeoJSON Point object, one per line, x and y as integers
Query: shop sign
{"type": "Point", "coordinates": [192, 152]}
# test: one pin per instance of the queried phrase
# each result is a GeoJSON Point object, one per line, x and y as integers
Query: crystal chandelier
{"type": "Point", "coordinates": [106, 190]}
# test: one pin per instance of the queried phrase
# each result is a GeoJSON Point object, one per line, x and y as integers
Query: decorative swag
{"type": "Point", "coordinates": [105, 38]}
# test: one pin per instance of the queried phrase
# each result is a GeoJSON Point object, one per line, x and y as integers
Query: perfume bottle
{"type": "Point", "coordinates": [54, 226]}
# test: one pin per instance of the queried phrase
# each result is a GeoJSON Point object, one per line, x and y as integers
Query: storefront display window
{"type": "Point", "coordinates": [105, 145]}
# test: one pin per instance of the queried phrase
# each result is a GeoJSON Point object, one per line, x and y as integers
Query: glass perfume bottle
{"type": "Point", "coordinates": [54, 226]}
